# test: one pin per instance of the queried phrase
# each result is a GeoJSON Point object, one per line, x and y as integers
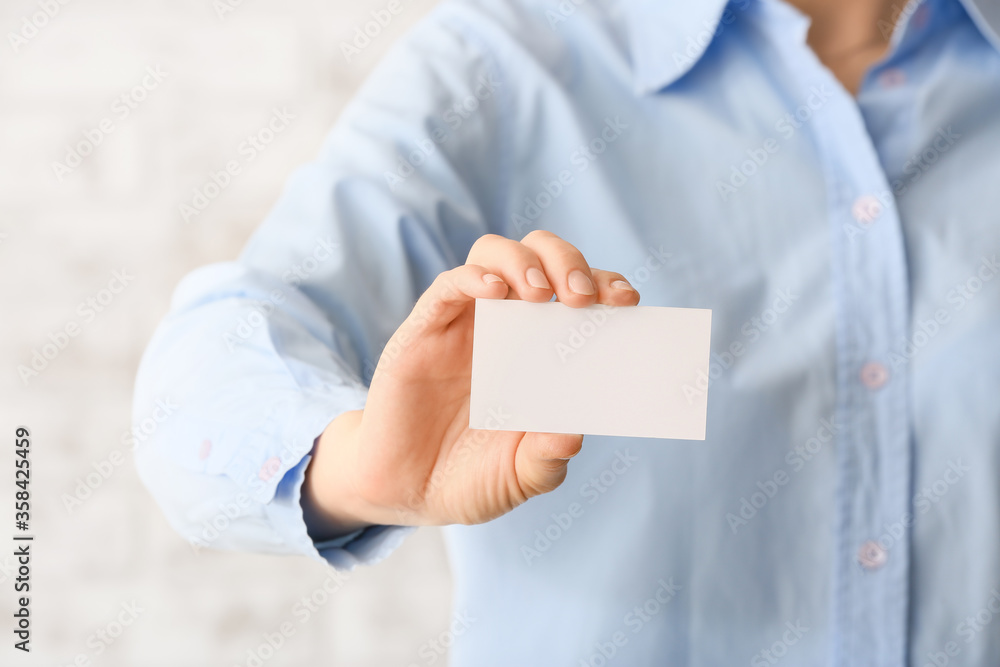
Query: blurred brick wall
{"type": "Point", "coordinates": [62, 235]}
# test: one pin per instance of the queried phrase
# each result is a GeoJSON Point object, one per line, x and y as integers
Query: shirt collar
{"type": "Point", "coordinates": [668, 37]}
{"type": "Point", "coordinates": [986, 15]}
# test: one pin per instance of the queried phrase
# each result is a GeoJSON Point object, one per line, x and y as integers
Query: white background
{"type": "Point", "coordinates": [60, 243]}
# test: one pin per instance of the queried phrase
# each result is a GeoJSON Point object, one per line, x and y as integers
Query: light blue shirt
{"type": "Point", "coordinates": [845, 507]}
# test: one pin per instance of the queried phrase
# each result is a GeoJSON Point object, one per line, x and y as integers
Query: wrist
{"type": "Point", "coordinates": [330, 505]}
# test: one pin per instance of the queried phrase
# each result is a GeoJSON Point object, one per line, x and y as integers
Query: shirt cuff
{"type": "Point", "coordinates": [365, 546]}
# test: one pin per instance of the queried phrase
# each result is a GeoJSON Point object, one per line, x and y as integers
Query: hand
{"type": "Point", "coordinates": [409, 458]}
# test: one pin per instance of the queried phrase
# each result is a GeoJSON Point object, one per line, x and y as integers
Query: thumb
{"type": "Point", "coordinates": [542, 459]}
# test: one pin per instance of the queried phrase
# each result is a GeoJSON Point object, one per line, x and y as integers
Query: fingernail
{"type": "Point", "coordinates": [489, 279]}
{"type": "Point", "coordinates": [537, 279]}
{"type": "Point", "coordinates": [621, 284]}
{"type": "Point", "coordinates": [580, 283]}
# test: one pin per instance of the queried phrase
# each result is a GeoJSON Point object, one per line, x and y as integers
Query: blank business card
{"type": "Point", "coordinates": [638, 371]}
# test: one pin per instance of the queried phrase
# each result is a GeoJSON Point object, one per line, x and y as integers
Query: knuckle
{"type": "Point", "coordinates": [452, 276]}
{"type": "Point", "coordinates": [485, 240]}
{"type": "Point", "coordinates": [454, 272]}
{"type": "Point", "coordinates": [569, 254]}
{"type": "Point", "coordinates": [538, 234]}
{"type": "Point", "coordinates": [442, 279]}
{"type": "Point", "coordinates": [449, 284]}
{"type": "Point", "coordinates": [443, 286]}
{"type": "Point", "coordinates": [560, 253]}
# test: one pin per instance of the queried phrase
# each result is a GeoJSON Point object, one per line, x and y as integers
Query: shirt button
{"type": "Point", "coordinates": [866, 209]}
{"type": "Point", "coordinates": [892, 77]}
{"type": "Point", "coordinates": [874, 375]}
{"type": "Point", "coordinates": [872, 556]}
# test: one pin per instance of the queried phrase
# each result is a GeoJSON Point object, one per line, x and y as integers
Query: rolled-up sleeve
{"type": "Point", "coordinates": [257, 356]}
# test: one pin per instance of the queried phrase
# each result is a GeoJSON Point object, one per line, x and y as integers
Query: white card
{"type": "Point", "coordinates": [637, 371]}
